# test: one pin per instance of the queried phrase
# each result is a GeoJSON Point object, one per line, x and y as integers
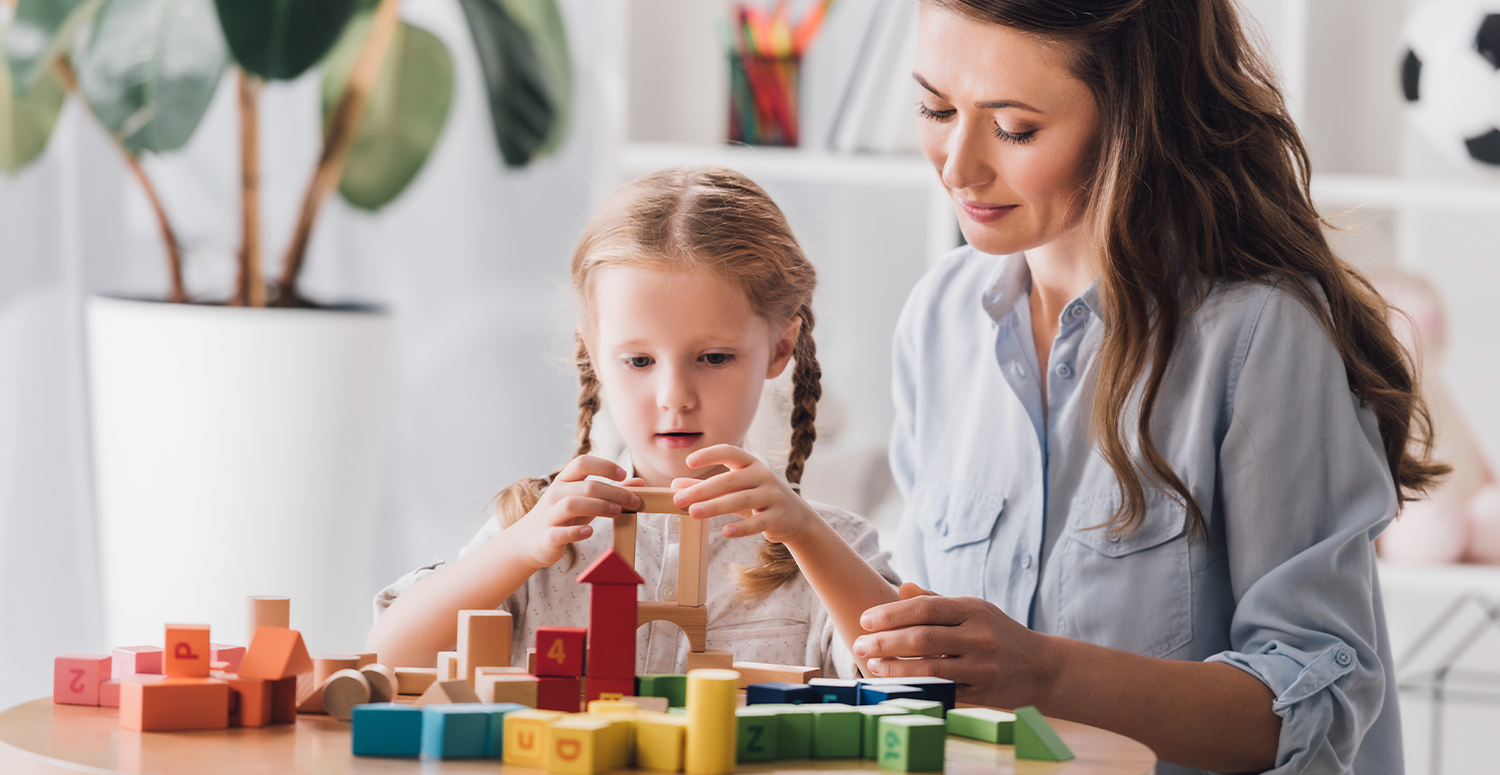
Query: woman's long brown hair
{"type": "Point", "coordinates": [1202, 176]}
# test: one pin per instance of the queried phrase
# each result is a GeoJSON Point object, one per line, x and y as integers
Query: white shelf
{"type": "Point", "coordinates": [1399, 192]}
{"type": "Point", "coordinates": [796, 164]}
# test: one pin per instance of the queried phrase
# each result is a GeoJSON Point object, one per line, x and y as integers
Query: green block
{"type": "Point", "coordinates": [931, 708]}
{"type": "Point", "coordinates": [756, 738]}
{"type": "Point", "coordinates": [987, 724]}
{"type": "Point", "coordinates": [677, 711]}
{"type": "Point", "coordinates": [870, 729]}
{"type": "Point", "coordinates": [912, 743]}
{"type": "Point", "coordinates": [1035, 738]}
{"type": "Point", "coordinates": [673, 687]}
{"type": "Point", "coordinates": [794, 730]}
{"type": "Point", "coordinates": [836, 731]}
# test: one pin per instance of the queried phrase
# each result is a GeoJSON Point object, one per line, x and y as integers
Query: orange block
{"type": "Point", "coordinates": [187, 651]}
{"type": "Point", "coordinates": [275, 654]}
{"type": "Point", "coordinates": [249, 701]}
{"type": "Point", "coordinates": [173, 704]}
{"type": "Point", "coordinates": [284, 701]}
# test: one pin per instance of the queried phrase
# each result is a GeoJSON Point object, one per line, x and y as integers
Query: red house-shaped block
{"type": "Point", "coordinates": [612, 584]}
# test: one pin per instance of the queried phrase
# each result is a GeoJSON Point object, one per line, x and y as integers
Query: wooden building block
{"type": "Point", "coordinates": [494, 741]}
{"type": "Point", "coordinates": [612, 616]}
{"type": "Point", "coordinates": [249, 701]}
{"type": "Point", "coordinates": [933, 688]}
{"type": "Point", "coordinates": [232, 656]}
{"type": "Point", "coordinates": [505, 670]}
{"type": "Point", "coordinates": [693, 620]}
{"type": "Point", "coordinates": [187, 651]}
{"type": "Point", "coordinates": [624, 537]}
{"type": "Point", "coordinates": [607, 688]}
{"type": "Point", "coordinates": [414, 680]}
{"type": "Point", "coordinates": [283, 700]}
{"type": "Point", "coordinates": [531, 661]}
{"type": "Point", "coordinates": [659, 741]}
{"type": "Point", "coordinates": [558, 693]}
{"type": "Point", "coordinates": [269, 611]}
{"type": "Point", "coordinates": [870, 694]}
{"type": "Point", "coordinates": [931, 708]}
{"type": "Point", "coordinates": [755, 733]}
{"type": "Point", "coordinates": [367, 658]}
{"type": "Point", "coordinates": [836, 731]}
{"type": "Point", "coordinates": [711, 699]}
{"type": "Point", "coordinates": [455, 731]}
{"type": "Point", "coordinates": [447, 666]}
{"type": "Point", "coordinates": [794, 731]}
{"type": "Point", "coordinates": [987, 724]}
{"type": "Point", "coordinates": [912, 743]}
{"type": "Point", "coordinates": [506, 687]}
{"type": "Point", "coordinates": [761, 672]}
{"type": "Point", "coordinates": [620, 706]}
{"type": "Point", "coordinates": [447, 692]}
{"type": "Point", "coordinates": [275, 654]}
{"type": "Point", "coordinates": [836, 690]}
{"type": "Point", "coordinates": [310, 690]}
{"type": "Point", "coordinates": [483, 641]}
{"type": "Point", "coordinates": [710, 659]}
{"type": "Point", "coordinates": [76, 678]}
{"type": "Point", "coordinates": [657, 500]}
{"type": "Point", "coordinates": [780, 692]}
{"type": "Point", "coordinates": [109, 693]}
{"type": "Point", "coordinates": [560, 651]}
{"type": "Point", "coordinates": [870, 727]}
{"type": "Point", "coordinates": [692, 563]}
{"type": "Point", "coordinates": [577, 746]}
{"type": "Point", "coordinates": [135, 660]}
{"type": "Point", "coordinates": [387, 729]}
{"type": "Point", "coordinates": [342, 691]}
{"type": "Point", "coordinates": [1036, 739]}
{"type": "Point", "coordinates": [647, 704]}
{"type": "Point", "coordinates": [174, 704]}
{"type": "Point", "coordinates": [526, 737]}
{"type": "Point", "coordinates": [382, 680]}
{"type": "Point", "coordinates": [671, 687]}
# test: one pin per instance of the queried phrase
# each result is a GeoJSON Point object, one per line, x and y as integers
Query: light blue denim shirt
{"type": "Point", "coordinates": [1255, 416]}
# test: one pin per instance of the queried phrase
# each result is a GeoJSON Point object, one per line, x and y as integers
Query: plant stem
{"type": "Point", "coordinates": [337, 140]}
{"type": "Point", "coordinates": [177, 293]}
{"type": "Point", "coordinates": [250, 290]}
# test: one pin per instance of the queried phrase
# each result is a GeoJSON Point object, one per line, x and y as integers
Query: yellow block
{"type": "Point", "coordinates": [613, 706]}
{"type": "Point", "coordinates": [659, 740]}
{"type": "Point", "coordinates": [580, 745]}
{"type": "Point", "coordinates": [711, 696]}
{"type": "Point", "coordinates": [526, 736]}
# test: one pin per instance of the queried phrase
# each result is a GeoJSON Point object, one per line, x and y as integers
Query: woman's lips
{"type": "Point", "coordinates": [984, 213]}
{"type": "Point", "coordinates": [678, 440]}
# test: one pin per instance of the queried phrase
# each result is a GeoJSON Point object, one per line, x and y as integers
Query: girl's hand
{"type": "Point", "coordinates": [570, 503]}
{"type": "Point", "coordinates": [749, 489]}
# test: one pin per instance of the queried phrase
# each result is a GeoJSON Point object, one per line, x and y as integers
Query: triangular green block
{"type": "Point", "coordinates": [1035, 738]}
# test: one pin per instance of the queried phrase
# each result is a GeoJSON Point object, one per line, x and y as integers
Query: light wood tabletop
{"type": "Point", "coordinates": [39, 738]}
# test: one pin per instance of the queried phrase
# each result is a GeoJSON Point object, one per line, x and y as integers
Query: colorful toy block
{"type": "Point", "coordinates": [933, 688]}
{"type": "Point", "coordinates": [557, 693]}
{"type": "Point", "coordinates": [382, 680]}
{"type": "Point", "coordinates": [414, 680]}
{"type": "Point", "coordinates": [762, 672]}
{"type": "Point", "coordinates": [174, 704]}
{"type": "Point", "coordinates": [526, 736]}
{"type": "Point", "coordinates": [187, 651]}
{"type": "Point", "coordinates": [505, 687]}
{"type": "Point", "coordinates": [710, 659]}
{"type": "Point", "coordinates": [231, 656]}
{"type": "Point", "coordinates": [455, 731]}
{"type": "Point", "coordinates": [794, 731]}
{"type": "Point", "coordinates": [659, 741]}
{"type": "Point", "coordinates": [387, 729]}
{"type": "Point", "coordinates": [870, 727]}
{"type": "Point", "coordinates": [912, 743]}
{"type": "Point", "coordinates": [835, 690]}
{"type": "Point", "coordinates": [931, 708]}
{"type": "Point", "coordinates": [612, 613]}
{"type": "Point", "coordinates": [310, 686]}
{"type": "Point", "coordinates": [836, 731]}
{"type": "Point", "coordinates": [1035, 739]}
{"type": "Point", "coordinates": [755, 733]}
{"type": "Point", "coordinates": [620, 706]}
{"type": "Point", "coordinates": [275, 654]}
{"type": "Point", "coordinates": [692, 562]}
{"type": "Point", "coordinates": [874, 694]}
{"type": "Point", "coordinates": [494, 742]}
{"type": "Point", "coordinates": [560, 651]}
{"type": "Point", "coordinates": [619, 740]}
{"type": "Point", "coordinates": [249, 701]}
{"type": "Point", "coordinates": [283, 700]}
{"type": "Point", "coordinates": [343, 691]}
{"type": "Point", "coordinates": [135, 660]}
{"type": "Point", "coordinates": [692, 620]}
{"type": "Point", "coordinates": [649, 704]}
{"type": "Point", "coordinates": [447, 693]}
{"type": "Point", "coordinates": [483, 641]}
{"type": "Point", "coordinates": [780, 692]}
{"type": "Point", "coordinates": [109, 693]}
{"type": "Point", "coordinates": [596, 688]}
{"type": "Point", "coordinates": [579, 745]}
{"type": "Point", "coordinates": [672, 687]}
{"type": "Point", "coordinates": [623, 538]}
{"type": "Point", "coordinates": [76, 678]}
{"type": "Point", "coordinates": [987, 724]}
{"type": "Point", "coordinates": [269, 611]}
{"type": "Point", "coordinates": [711, 699]}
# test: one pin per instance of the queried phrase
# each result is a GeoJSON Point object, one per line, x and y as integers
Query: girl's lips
{"type": "Point", "coordinates": [678, 440]}
{"type": "Point", "coordinates": [984, 213]}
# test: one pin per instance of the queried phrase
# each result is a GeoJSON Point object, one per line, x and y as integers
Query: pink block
{"type": "Point", "coordinates": [219, 652]}
{"type": "Point", "coordinates": [135, 660]}
{"type": "Point", "coordinates": [76, 678]}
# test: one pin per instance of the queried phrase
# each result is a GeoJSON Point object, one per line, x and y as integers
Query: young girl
{"type": "Point", "coordinates": [694, 293]}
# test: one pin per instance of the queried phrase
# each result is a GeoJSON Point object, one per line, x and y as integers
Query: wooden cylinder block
{"type": "Point", "coordinates": [269, 611]}
{"type": "Point", "coordinates": [309, 699]}
{"type": "Point", "coordinates": [383, 683]}
{"type": "Point", "coordinates": [342, 691]}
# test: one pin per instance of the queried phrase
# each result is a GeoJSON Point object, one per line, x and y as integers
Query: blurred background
{"type": "Point", "coordinates": [475, 382]}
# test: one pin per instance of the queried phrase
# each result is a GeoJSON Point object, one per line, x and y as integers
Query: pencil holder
{"type": "Point", "coordinates": [763, 99]}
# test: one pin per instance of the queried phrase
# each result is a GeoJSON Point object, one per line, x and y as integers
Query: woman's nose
{"type": "Point", "coordinates": [964, 164]}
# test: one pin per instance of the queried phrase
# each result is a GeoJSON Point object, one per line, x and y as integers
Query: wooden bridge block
{"type": "Point", "coordinates": [710, 659]}
{"type": "Point", "coordinates": [187, 651]}
{"type": "Point", "coordinates": [693, 620]}
{"type": "Point", "coordinates": [76, 678]}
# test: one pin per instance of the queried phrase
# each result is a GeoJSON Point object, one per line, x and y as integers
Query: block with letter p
{"type": "Point", "coordinates": [187, 651]}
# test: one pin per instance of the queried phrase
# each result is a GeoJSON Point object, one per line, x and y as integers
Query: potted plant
{"type": "Point", "coordinates": [238, 450]}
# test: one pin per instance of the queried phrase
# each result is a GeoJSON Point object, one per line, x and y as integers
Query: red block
{"type": "Point", "coordinates": [612, 613]}
{"type": "Point", "coordinates": [76, 678]}
{"type": "Point", "coordinates": [284, 700]}
{"type": "Point", "coordinates": [233, 655]}
{"type": "Point", "coordinates": [127, 661]}
{"type": "Point", "coordinates": [560, 651]}
{"type": "Point", "coordinates": [173, 704]}
{"type": "Point", "coordinates": [558, 693]}
{"type": "Point", "coordinates": [249, 701]}
{"type": "Point", "coordinates": [186, 653]}
{"type": "Point", "coordinates": [595, 687]}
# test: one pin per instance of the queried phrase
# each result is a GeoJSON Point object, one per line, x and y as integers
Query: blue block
{"type": "Point", "coordinates": [458, 731]}
{"type": "Point", "coordinates": [836, 690]}
{"type": "Point", "coordinates": [933, 688]}
{"type": "Point", "coordinates": [780, 692]}
{"type": "Point", "coordinates": [874, 694]}
{"type": "Point", "coordinates": [387, 729]}
{"type": "Point", "coordinates": [495, 739]}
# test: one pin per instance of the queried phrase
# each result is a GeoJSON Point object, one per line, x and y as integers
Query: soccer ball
{"type": "Point", "coordinates": [1450, 74]}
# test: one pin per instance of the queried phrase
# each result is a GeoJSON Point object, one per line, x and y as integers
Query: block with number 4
{"type": "Point", "coordinates": [559, 651]}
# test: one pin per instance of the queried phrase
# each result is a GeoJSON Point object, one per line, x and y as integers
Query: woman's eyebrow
{"type": "Point", "coordinates": [986, 105]}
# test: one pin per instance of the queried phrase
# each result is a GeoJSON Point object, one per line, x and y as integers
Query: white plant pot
{"type": "Point", "coordinates": [237, 452]}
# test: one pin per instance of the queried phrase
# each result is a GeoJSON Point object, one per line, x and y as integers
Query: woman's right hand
{"type": "Point", "coordinates": [570, 503]}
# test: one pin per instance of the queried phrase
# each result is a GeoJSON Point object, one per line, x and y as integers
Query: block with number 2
{"type": "Point", "coordinates": [559, 651]}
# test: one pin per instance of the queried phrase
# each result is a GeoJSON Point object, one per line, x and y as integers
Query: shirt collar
{"type": "Point", "coordinates": [1013, 282]}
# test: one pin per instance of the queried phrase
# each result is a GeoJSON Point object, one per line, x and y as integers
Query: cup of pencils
{"type": "Point", "coordinates": [765, 63]}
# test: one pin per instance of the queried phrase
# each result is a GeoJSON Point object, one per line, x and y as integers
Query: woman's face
{"type": "Point", "coordinates": [1012, 133]}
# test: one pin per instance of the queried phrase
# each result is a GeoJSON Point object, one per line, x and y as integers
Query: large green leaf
{"type": "Point", "coordinates": [41, 31]}
{"type": "Point", "coordinates": [524, 55]}
{"type": "Point", "coordinates": [282, 38]}
{"type": "Point", "coordinates": [150, 69]}
{"type": "Point", "coordinates": [26, 119]}
{"type": "Point", "coordinates": [404, 117]}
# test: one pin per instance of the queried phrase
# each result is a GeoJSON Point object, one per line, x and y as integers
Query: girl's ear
{"type": "Point", "coordinates": [786, 344]}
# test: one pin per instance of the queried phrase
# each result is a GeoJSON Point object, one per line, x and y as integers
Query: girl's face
{"type": "Point", "coordinates": [1010, 130]}
{"type": "Point", "coordinates": [682, 359]}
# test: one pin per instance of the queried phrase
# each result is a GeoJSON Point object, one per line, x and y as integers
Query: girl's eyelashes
{"type": "Point", "coordinates": [932, 114]}
{"type": "Point", "coordinates": [637, 361]}
{"type": "Point", "coordinates": [718, 359]}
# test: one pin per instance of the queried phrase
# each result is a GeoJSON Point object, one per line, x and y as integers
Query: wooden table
{"type": "Point", "coordinates": [38, 737]}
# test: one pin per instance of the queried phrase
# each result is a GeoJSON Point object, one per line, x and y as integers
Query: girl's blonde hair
{"type": "Point", "coordinates": [714, 219]}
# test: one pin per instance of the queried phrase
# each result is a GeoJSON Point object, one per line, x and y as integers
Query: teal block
{"type": "Point", "coordinates": [987, 724]}
{"type": "Point", "coordinates": [836, 731]}
{"type": "Point", "coordinates": [912, 743]}
{"type": "Point", "coordinates": [677, 711]}
{"type": "Point", "coordinates": [794, 730]}
{"type": "Point", "coordinates": [756, 737]}
{"type": "Point", "coordinates": [386, 729]}
{"type": "Point", "coordinates": [494, 742]}
{"type": "Point", "coordinates": [931, 708]}
{"type": "Point", "coordinates": [870, 729]}
{"type": "Point", "coordinates": [458, 731]}
{"type": "Point", "coordinates": [1035, 738]}
{"type": "Point", "coordinates": [673, 687]}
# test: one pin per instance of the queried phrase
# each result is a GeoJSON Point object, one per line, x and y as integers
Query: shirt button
{"type": "Point", "coordinates": [1064, 370]}
{"type": "Point", "coordinates": [1019, 370]}
{"type": "Point", "coordinates": [1114, 539]}
{"type": "Point", "coordinates": [1026, 561]}
{"type": "Point", "coordinates": [669, 594]}
{"type": "Point", "coordinates": [1076, 311]}
{"type": "Point", "coordinates": [1343, 658]}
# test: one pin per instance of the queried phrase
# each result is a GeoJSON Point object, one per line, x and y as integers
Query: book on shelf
{"type": "Point", "coordinates": [877, 111]}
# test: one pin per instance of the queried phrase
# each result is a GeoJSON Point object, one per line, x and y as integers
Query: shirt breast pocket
{"type": "Point", "coordinates": [957, 524]}
{"type": "Point", "coordinates": [1131, 592]}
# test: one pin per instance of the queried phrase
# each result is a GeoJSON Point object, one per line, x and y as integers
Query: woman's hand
{"type": "Point", "coordinates": [748, 488]}
{"type": "Point", "coordinates": [571, 502]}
{"type": "Point", "coordinates": [993, 659]}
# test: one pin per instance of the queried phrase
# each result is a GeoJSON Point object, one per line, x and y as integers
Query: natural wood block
{"type": "Point", "coordinates": [755, 735]}
{"type": "Point", "coordinates": [414, 680]}
{"type": "Point", "coordinates": [502, 670]}
{"type": "Point", "coordinates": [657, 500]}
{"type": "Point", "coordinates": [274, 654]}
{"type": "Point", "coordinates": [710, 659]}
{"type": "Point", "coordinates": [447, 666]}
{"type": "Point", "coordinates": [711, 699]}
{"type": "Point", "coordinates": [76, 678]}
{"type": "Point", "coordinates": [232, 656]}
{"type": "Point", "coordinates": [284, 700]}
{"type": "Point", "coordinates": [367, 658]}
{"type": "Point", "coordinates": [382, 680]}
{"type": "Point", "coordinates": [310, 692]}
{"type": "Point", "coordinates": [342, 691]}
{"type": "Point", "coordinates": [187, 651]}
{"type": "Point", "coordinates": [135, 660]}
{"type": "Point", "coordinates": [174, 703]}
{"type": "Point", "coordinates": [558, 693]}
{"type": "Point", "coordinates": [580, 746]}
{"type": "Point", "coordinates": [249, 701]}
{"type": "Point", "coordinates": [441, 692]}
{"type": "Point", "coordinates": [1036, 739]}
{"type": "Point", "coordinates": [483, 641]}
{"type": "Point", "coordinates": [506, 687]}
{"type": "Point", "coordinates": [912, 743]}
{"type": "Point", "coordinates": [624, 537]}
{"type": "Point", "coordinates": [761, 672]}
{"type": "Point", "coordinates": [659, 741]}
{"type": "Point", "coordinates": [560, 651]}
{"type": "Point", "coordinates": [693, 620]}
{"type": "Point", "coordinates": [526, 737]}
{"type": "Point", "coordinates": [836, 731]}
{"type": "Point", "coordinates": [692, 562]}
{"type": "Point", "coordinates": [269, 611]}
{"type": "Point", "coordinates": [987, 724]}
{"type": "Point", "coordinates": [531, 661]}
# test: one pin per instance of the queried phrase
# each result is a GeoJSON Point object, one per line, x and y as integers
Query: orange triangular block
{"type": "Point", "coordinates": [610, 568]}
{"type": "Point", "coordinates": [447, 693]}
{"type": "Point", "coordinates": [274, 654]}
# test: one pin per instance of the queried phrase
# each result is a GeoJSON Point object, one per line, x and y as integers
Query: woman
{"type": "Point", "coordinates": [1148, 424]}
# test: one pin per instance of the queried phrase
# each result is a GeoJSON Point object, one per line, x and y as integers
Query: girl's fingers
{"type": "Point", "coordinates": [604, 492]}
{"type": "Point", "coordinates": [581, 506]}
{"type": "Point", "coordinates": [567, 535]}
{"type": "Point", "coordinates": [715, 487]}
{"type": "Point", "coordinates": [726, 455]}
{"type": "Point", "coordinates": [584, 466]}
{"type": "Point", "coordinates": [746, 501]}
{"type": "Point", "coordinates": [748, 527]}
